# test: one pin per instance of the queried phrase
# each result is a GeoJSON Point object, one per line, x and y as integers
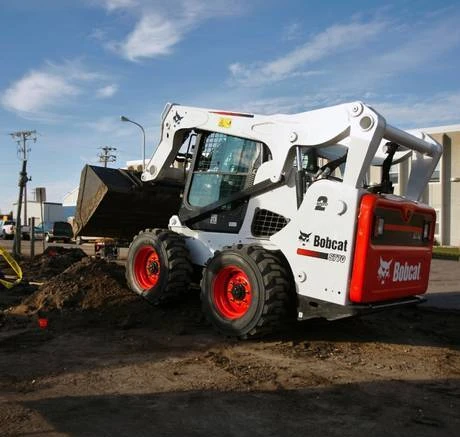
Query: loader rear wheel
{"type": "Point", "coordinates": [246, 291]}
{"type": "Point", "coordinates": [158, 266]}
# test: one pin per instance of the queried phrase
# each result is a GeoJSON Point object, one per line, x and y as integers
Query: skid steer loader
{"type": "Point", "coordinates": [279, 214]}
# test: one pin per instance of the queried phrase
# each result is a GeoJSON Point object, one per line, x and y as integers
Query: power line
{"type": "Point", "coordinates": [22, 138]}
{"type": "Point", "coordinates": [105, 156]}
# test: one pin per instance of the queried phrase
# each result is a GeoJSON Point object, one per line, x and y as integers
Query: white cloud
{"type": "Point", "coordinates": [335, 39]}
{"type": "Point", "coordinates": [161, 25]}
{"type": "Point", "coordinates": [152, 36]}
{"type": "Point", "coordinates": [39, 92]}
{"type": "Point", "coordinates": [413, 112]}
{"type": "Point", "coordinates": [402, 110]}
{"type": "Point", "coordinates": [112, 5]}
{"type": "Point", "coordinates": [107, 91]}
{"type": "Point", "coordinates": [419, 47]}
{"type": "Point", "coordinates": [405, 111]}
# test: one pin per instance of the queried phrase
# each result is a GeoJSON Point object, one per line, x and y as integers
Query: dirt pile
{"type": "Point", "coordinates": [38, 270]}
{"type": "Point", "coordinates": [90, 292]}
{"type": "Point", "coordinates": [52, 262]}
{"type": "Point", "coordinates": [87, 284]}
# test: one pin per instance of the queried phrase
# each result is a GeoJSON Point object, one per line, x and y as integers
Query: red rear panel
{"type": "Point", "coordinates": [391, 260]}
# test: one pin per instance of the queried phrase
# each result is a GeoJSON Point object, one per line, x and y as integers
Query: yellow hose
{"type": "Point", "coordinates": [14, 265]}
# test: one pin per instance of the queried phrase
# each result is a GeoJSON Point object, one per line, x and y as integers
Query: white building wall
{"type": "Point", "coordinates": [445, 194]}
{"type": "Point", "coordinates": [52, 212]}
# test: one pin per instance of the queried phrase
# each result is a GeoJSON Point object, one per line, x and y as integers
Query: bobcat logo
{"type": "Point", "coordinates": [384, 270]}
{"type": "Point", "coordinates": [177, 118]}
{"type": "Point", "coordinates": [303, 237]}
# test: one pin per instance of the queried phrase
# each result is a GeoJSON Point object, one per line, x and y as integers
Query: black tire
{"type": "Point", "coordinates": [158, 266]}
{"type": "Point", "coordinates": [268, 300]}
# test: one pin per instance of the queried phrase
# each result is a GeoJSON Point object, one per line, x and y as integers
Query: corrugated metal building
{"type": "Point", "coordinates": [47, 212]}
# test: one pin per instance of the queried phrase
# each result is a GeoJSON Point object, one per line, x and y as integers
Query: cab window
{"type": "Point", "coordinates": [225, 165]}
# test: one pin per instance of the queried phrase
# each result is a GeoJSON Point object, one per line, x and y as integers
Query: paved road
{"type": "Point", "coordinates": [443, 288]}
{"type": "Point", "coordinates": [444, 285]}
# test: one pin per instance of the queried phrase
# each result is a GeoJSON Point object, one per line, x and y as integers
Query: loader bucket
{"type": "Point", "coordinates": [116, 203]}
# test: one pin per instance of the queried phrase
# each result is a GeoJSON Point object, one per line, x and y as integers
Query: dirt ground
{"type": "Point", "coordinates": [110, 364]}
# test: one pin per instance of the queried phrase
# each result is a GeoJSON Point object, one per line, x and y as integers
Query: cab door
{"type": "Point", "coordinates": [223, 165]}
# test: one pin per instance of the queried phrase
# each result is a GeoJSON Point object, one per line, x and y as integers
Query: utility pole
{"type": "Point", "coordinates": [21, 138]}
{"type": "Point", "coordinates": [105, 156]}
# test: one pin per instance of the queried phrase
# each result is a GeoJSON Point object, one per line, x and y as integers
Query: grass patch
{"type": "Point", "coordinates": [446, 252]}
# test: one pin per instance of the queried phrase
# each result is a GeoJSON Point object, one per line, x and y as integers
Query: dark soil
{"type": "Point", "coordinates": [109, 363]}
{"type": "Point", "coordinates": [54, 260]}
{"type": "Point", "coordinates": [86, 285]}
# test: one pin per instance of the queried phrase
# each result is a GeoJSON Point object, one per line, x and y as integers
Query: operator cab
{"type": "Point", "coordinates": [223, 167]}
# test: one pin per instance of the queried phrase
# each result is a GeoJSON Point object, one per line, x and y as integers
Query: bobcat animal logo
{"type": "Point", "coordinates": [384, 270]}
{"type": "Point", "coordinates": [177, 118]}
{"type": "Point", "coordinates": [303, 237]}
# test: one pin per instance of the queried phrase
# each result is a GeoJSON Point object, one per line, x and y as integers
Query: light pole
{"type": "Point", "coordinates": [123, 118]}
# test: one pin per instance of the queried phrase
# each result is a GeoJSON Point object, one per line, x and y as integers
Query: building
{"type": "Point", "coordinates": [443, 192]}
{"type": "Point", "coordinates": [46, 212]}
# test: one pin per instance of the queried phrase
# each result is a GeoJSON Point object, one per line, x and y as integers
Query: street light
{"type": "Point", "coordinates": [123, 118]}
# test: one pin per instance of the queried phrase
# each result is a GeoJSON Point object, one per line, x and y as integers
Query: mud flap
{"type": "Point", "coordinates": [309, 308]}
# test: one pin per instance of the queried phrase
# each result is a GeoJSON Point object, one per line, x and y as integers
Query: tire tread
{"type": "Point", "coordinates": [277, 291]}
{"type": "Point", "coordinates": [179, 263]}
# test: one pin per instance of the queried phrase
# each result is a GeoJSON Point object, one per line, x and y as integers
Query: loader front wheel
{"type": "Point", "coordinates": [158, 266]}
{"type": "Point", "coordinates": [246, 291]}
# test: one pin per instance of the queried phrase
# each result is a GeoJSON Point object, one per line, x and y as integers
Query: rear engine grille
{"type": "Point", "coordinates": [267, 223]}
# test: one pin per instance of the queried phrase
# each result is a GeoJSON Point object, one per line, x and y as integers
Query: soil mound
{"type": "Point", "coordinates": [52, 262]}
{"type": "Point", "coordinates": [93, 293]}
{"type": "Point", "coordinates": [87, 284]}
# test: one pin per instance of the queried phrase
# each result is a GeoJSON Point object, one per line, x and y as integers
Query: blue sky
{"type": "Point", "coordinates": [69, 69]}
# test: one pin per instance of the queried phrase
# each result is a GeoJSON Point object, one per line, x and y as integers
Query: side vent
{"type": "Point", "coordinates": [266, 223]}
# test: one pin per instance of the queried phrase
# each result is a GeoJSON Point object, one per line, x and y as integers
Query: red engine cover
{"type": "Point", "coordinates": [396, 263]}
